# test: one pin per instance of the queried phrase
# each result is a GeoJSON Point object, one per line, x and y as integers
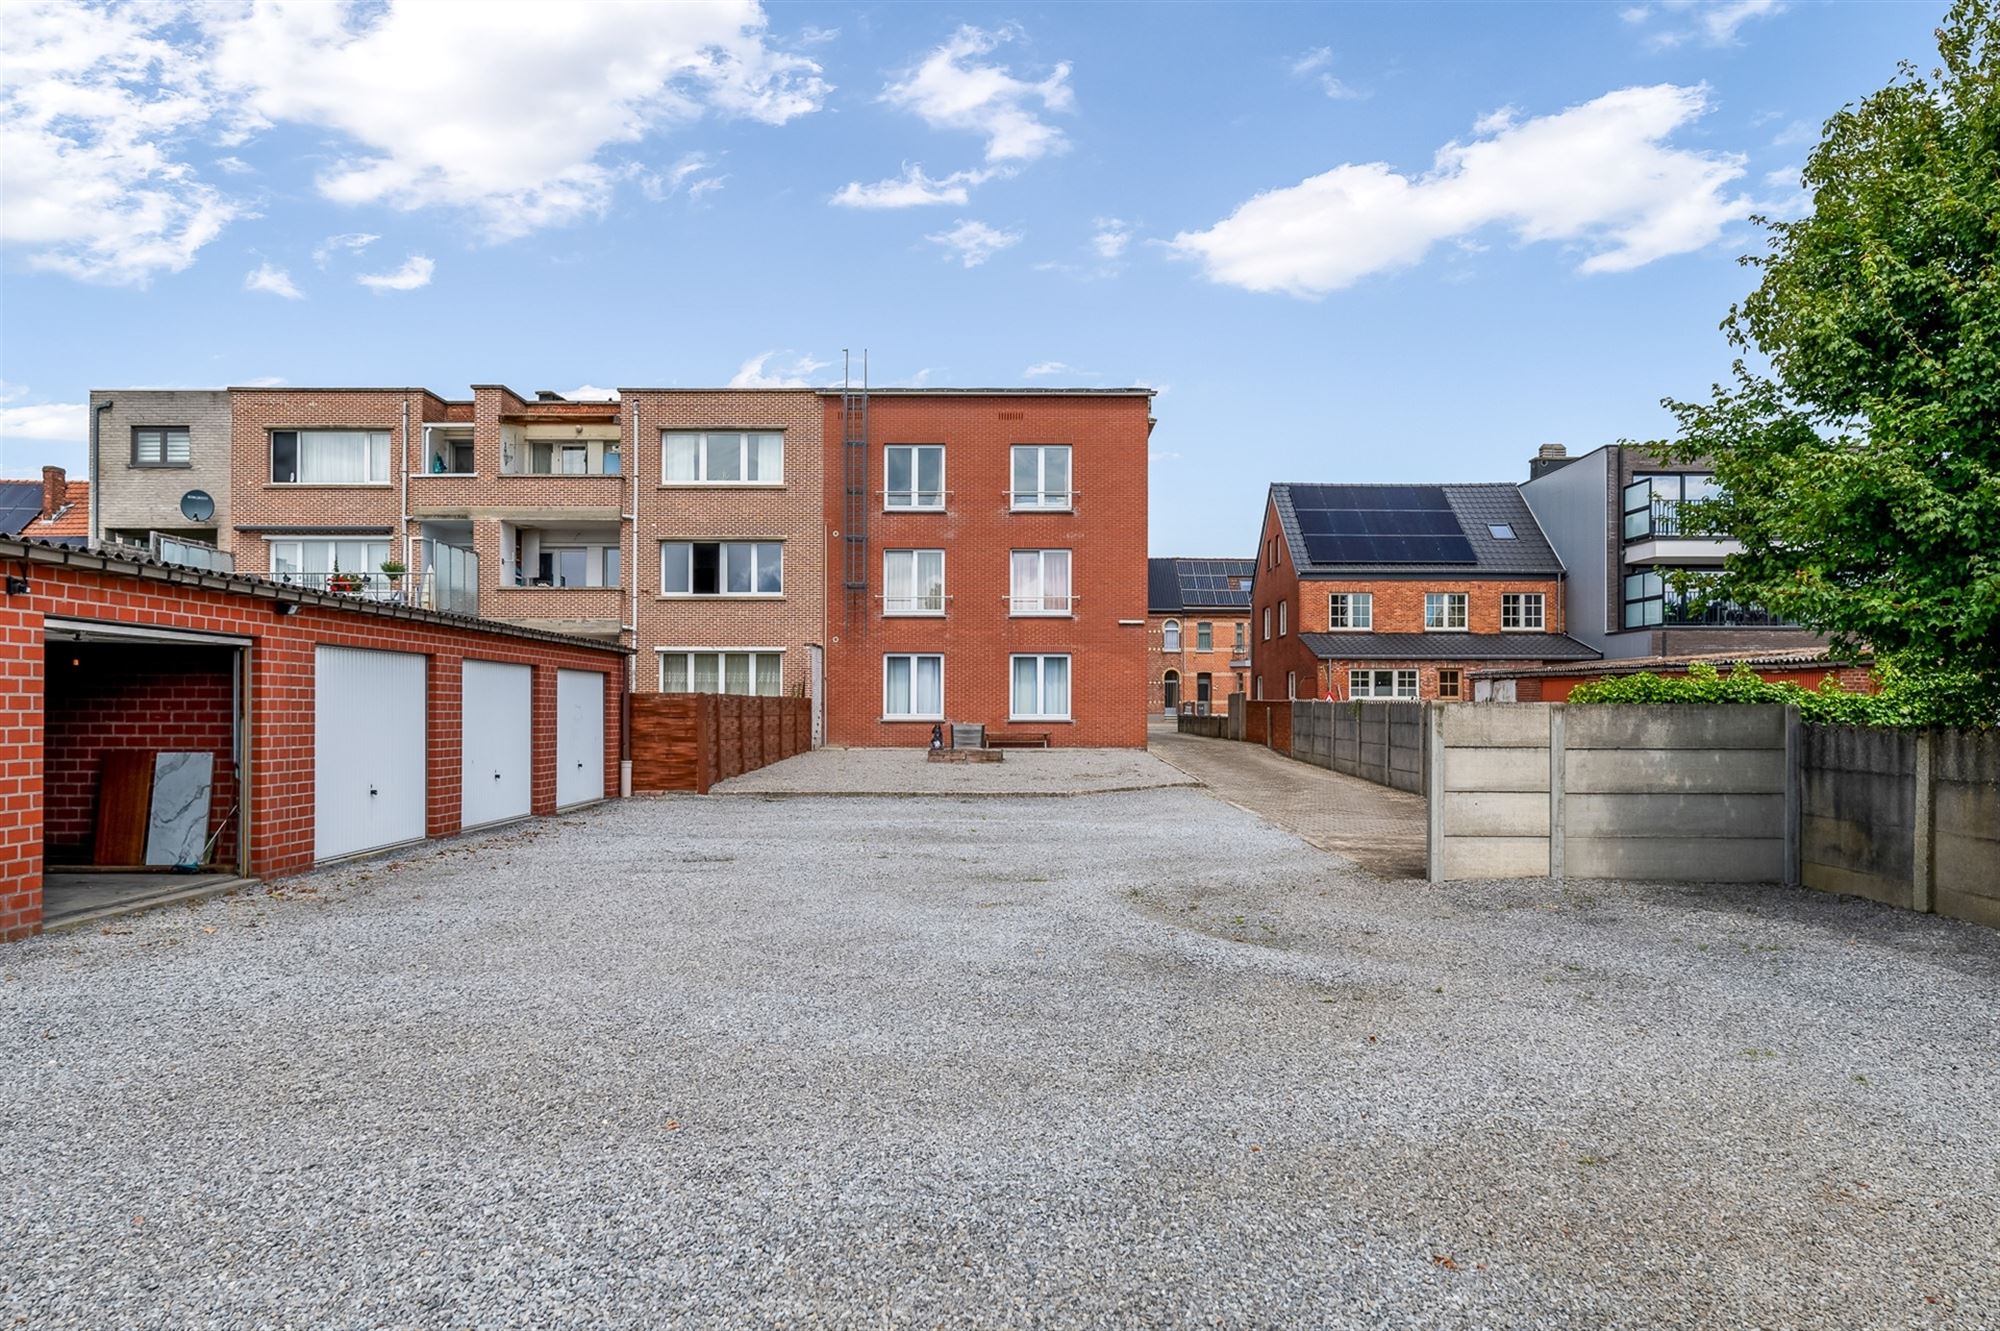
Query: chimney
{"type": "Point", "coordinates": [1548, 458]}
{"type": "Point", "coordinates": [55, 489]}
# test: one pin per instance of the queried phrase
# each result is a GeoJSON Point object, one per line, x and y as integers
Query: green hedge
{"type": "Point", "coordinates": [1940, 698]}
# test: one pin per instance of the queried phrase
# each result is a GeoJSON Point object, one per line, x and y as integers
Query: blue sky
{"type": "Point", "coordinates": [1343, 242]}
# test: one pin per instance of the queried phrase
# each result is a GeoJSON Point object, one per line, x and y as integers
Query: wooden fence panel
{"type": "Point", "coordinates": [690, 741]}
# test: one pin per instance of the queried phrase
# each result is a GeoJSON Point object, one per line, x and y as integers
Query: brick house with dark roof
{"type": "Point", "coordinates": [1197, 632]}
{"type": "Point", "coordinates": [1399, 591]}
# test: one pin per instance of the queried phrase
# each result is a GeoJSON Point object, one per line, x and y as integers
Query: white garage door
{"type": "Point", "coordinates": [497, 714]}
{"type": "Point", "coordinates": [579, 737]}
{"type": "Point", "coordinates": [368, 755]}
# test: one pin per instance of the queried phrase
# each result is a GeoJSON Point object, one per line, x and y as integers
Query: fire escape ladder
{"type": "Point", "coordinates": [854, 469]}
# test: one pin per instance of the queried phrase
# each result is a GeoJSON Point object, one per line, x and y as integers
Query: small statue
{"type": "Point", "coordinates": [937, 737]}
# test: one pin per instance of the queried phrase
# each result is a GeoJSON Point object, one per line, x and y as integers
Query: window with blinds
{"type": "Point", "coordinates": [161, 446]}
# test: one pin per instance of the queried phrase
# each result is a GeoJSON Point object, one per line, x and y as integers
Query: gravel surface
{"type": "Point", "coordinates": [1128, 1060]}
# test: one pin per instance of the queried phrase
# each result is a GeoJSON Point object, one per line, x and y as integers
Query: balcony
{"type": "Point", "coordinates": [445, 579]}
{"type": "Point", "coordinates": [1659, 532]}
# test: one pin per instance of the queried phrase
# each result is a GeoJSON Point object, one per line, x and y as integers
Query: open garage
{"type": "Point", "coordinates": [166, 731]}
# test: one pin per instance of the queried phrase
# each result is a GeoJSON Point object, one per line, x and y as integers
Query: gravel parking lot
{"type": "Point", "coordinates": [1121, 1060]}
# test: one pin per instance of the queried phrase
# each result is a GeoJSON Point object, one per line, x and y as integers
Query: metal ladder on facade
{"type": "Point", "coordinates": [854, 477]}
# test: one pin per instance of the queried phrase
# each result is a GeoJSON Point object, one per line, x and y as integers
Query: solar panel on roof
{"type": "Point", "coordinates": [1379, 524]}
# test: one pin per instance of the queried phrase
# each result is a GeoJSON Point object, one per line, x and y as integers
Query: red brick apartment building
{"type": "Point", "coordinates": [1197, 633]}
{"type": "Point", "coordinates": [986, 564]}
{"type": "Point", "coordinates": [1398, 591]}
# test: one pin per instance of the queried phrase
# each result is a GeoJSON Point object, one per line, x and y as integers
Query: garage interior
{"type": "Point", "coordinates": [141, 777]}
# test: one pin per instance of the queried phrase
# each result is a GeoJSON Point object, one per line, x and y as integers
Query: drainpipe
{"type": "Point", "coordinates": [409, 553]}
{"type": "Point", "coordinates": [96, 429]}
{"type": "Point", "coordinates": [632, 469]}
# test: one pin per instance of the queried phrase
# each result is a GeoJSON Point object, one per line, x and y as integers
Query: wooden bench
{"type": "Point", "coordinates": [1025, 739]}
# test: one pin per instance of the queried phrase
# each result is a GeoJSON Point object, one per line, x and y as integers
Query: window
{"type": "Point", "coordinates": [330, 457]}
{"type": "Point", "coordinates": [1041, 689]}
{"type": "Point", "coordinates": [1292, 684]}
{"type": "Point", "coordinates": [1521, 610]}
{"type": "Point", "coordinates": [913, 688]}
{"type": "Point", "coordinates": [1204, 636]}
{"type": "Point", "coordinates": [1652, 503]}
{"type": "Point", "coordinates": [1448, 683]}
{"type": "Point", "coordinates": [1041, 476]}
{"type": "Point", "coordinates": [722, 568]}
{"type": "Point", "coordinates": [1040, 583]}
{"type": "Point", "coordinates": [1267, 623]}
{"type": "Point", "coordinates": [573, 566]}
{"type": "Point", "coordinates": [1170, 636]}
{"type": "Point", "coordinates": [578, 457]}
{"type": "Point", "coordinates": [759, 673]}
{"type": "Point", "coordinates": [450, 451]}
{"type": "Point", "coordinates": [1283, 606]}
{"type": "Point", "coordinates": [332, 563]}
{"type": "Point", "coordinates": [1444, 610]}
{"type": "Point", "coordinates": [1650, 600]}
{"type": "Point", "coordinates": [1501, 531]}
{"type": "Point", "coordinates": [1260, 688]}
{"type": "Point", "coordinates": [1242, 637]}
{"type": "Point", "coordinates": [1381, 683]}
{"type": "Point", "coordinates": [727, 457]}
{"type": "Point", "coordinates": [1170, 690]}
{"type": "Point", "coordinates": [1350, 610]}
{"type": "Point", "coordinates": [913, 582]}
{"type": "Point", "coordinates": [913, 476]}
{"type": "Point", "coordinates": [161, 446]}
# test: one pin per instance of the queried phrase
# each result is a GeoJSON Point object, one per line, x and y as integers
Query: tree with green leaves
{"type": "Point", "coordinates": [1861, 470]}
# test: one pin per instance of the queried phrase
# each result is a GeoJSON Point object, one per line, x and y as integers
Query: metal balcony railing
{"type": "Point", "coordinates": [446, 578]}
{"type": "Point", "coordinates": [1040, 605]}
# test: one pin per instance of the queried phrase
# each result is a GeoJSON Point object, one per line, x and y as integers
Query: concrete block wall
{"type": "Point", "coordinates": [1965, 836]}
{"type": "Point", "coordinates": [1527, 790]}
{"type": "Point", "coordinates": [1376, 741]}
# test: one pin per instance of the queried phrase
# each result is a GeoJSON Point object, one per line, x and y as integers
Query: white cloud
{"type": "Point", "coordinates": [758, 372]}
{"type": "Point", "coordinates": [1710, 22]}
{"type": "Point", "coordinates": [684, 176]}
{"type": "Point", "coordinates": [952, 89]}
{"type": "Point", "coordinates": [94, 106]}
{"type": "Point", "coordinates": [352, 242]}
{"type": "Point", "coordinates": [98, 102]}
{"type": "Point", "coordinates": [262, 381]}
{"type": "Point", "coordinates": [516, 135]}
{"type": "Point", "coordinates": [591, 393]}
{"type": "Point", "coordinates": [813, 36]}
{"type": "Point", "coordinates": [415, 272]}
{"type": "Point", "coordinates": [1111, 237]}
{"type": "Point", "coordinates": [274, 280]}
{"type": "Point", "coordinates": [1051, 368]}
{"type": "Point", "coordinates": [973, 243]}
{"type": "Point", "coordinates": [912, 189]}
{"type": "Point", "coordinates": [1599, 176]}
{"type": "Point", "coordinates": [62, 422]}
{"type": "Point", "coordinates": [1797, 134]}
{"type": "Point", "coordinates": [1316, 64]}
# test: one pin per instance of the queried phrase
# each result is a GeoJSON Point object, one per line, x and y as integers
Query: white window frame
{"type": "Point", "coordinates": [1351, 612]}
{"type": "Point", "coordinates": [1445, 604]}
{"type": "Point", "coordinates": [1291, 685]}
{"type": "Point", "coordinates": [1515, 605]}
{"type": "Point", "coordinates": [1204, 635]}
{"type": "Point", "coordinates": [721, 570]}
{"type": "Point", "coordinates": [375, 584]}
{"type": "Point", "coordinates": [1267, 623]}
{"type": "Point", "coordinates": [1037, 606]}
{"type": "Point", "coordinates": [687, 655]}
{"type": "Point", "coordinates": [607, 550]}
{"type": "Point", "coordinates": [1170, 636]}
{"type": "Point", "coordinates": [912, 658]}
{"type": "Point", "coordinates": [1041, 660]}
{"type": "Point", "coordinates": [1260, 688]}
{"type": "Point", "coordinates": [165, 436]}
{"type": "Point", "coordinates": [299, 451]}
{"type": "Point", "coordinates": [915, 492]}
{"type": "Point", "coordinates": [1020, 501]}
{"type": "Point", "coordinates": [743, 458]}
{"type": "Point", "coordinates": [1284, 618]}
{"type": "Point", "coordinates": [1402, 684]}
{"type": "Point", "coordinates": [917, 611]}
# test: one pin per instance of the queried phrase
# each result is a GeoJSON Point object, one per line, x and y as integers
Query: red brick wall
{"type": "Point", "coordinates": [100, 698]}
{"type": "Point", "coordinates": [1106, 534]}
{"type": "Point", "coordinates": [1191, 662]}
{"type": "Point", "coordinates": [280, 665]}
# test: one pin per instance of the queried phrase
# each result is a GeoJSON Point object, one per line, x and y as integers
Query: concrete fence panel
{"type": "Point", "coordinates": [1858, 813]}
{"type": "Point", "coordinates": [1489, 797]}
{"type": "Point", "coordinates": [1965, 837]}
{"type": "Point", "coordinates": [1380, 742]}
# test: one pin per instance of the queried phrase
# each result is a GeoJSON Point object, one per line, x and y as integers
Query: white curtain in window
{"type": "Point", "coordinates": [1055, 580]}
{"type": "Point", "coordinates": [770, 678]}
{"type": "Point", "coordinates": [681, 450]}
{"type": "Point", "coordinates": [736, 673]}
{"type": "Point", "coordinates": [1055, 686]}
{"type": "Point", "coordinates": [707, 672]}
{"type": "Point", "coordinates": [1027, 687]}
{"type": "Point", "coordinates": [930, 686]}
{"type": "Point", "coordinates": [896, 686]}
{"type": "Point", "coordinates": [673, 672]}
{"type": "Point", "coordinates": [899, 579]}
{"type": "Point", "coordinates": [343, 457]}
{"type": "Point", "coordinates": [929, 579]}
{"type": "Point", "coordinates": [1027, 580]}
{"type": "Point", "coordinates": [767, 458]}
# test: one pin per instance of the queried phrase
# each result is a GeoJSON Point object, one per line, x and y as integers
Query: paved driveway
{"type": "Point", "coordinates": [1380, 829]}
{"type": "Point", "coordinates": [1123, 1060]}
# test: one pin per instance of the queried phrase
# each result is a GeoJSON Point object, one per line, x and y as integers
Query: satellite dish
{"type": "Point", "coordinates": [197, 506]}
